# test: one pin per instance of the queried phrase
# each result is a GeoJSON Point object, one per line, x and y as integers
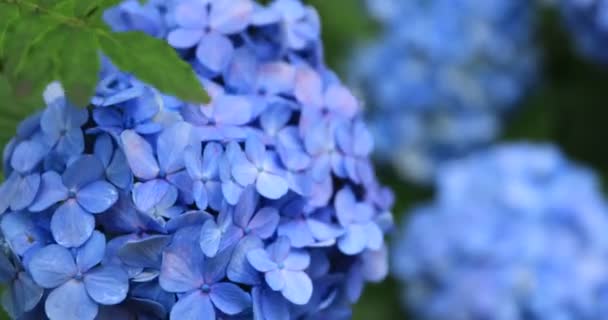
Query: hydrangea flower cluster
{"type": "Point", "coordinates": [588, 22]}
{"type": "Point", "coordinates": [262, 204]}
{"type": "Point", "coordinates": [531, 242]}
{"type": "Point", "coordinates": [441, 77]}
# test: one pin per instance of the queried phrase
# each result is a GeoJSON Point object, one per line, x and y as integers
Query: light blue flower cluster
{"type": "Point", "coordinates": [516, 232]}
{"type": "Point", "coordinates": [262, 204]}
{"type": "Point", "coordinates": [588, 23]}
{"type": "Point", "coordinates": [442, 75]}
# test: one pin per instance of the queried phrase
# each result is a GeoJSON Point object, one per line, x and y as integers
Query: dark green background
{"type": "Point", "coordinates": [567, 108]}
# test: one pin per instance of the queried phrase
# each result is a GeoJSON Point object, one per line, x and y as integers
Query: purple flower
{"type": "Point", "coordinates": [206, 25]}
{"type": "Point", "coordinates": [61, 125]}
{"type": "Point", "coordinates": [301, 23]}
{"type": "Point", "coordinates": [260, 167]}
{"type": "Point", "coordinates": [361, 231]}
{"type": "Point", "coordinates": [222, 210]}
{"type": "Point", "coordinates": [203, 168]}
{"type": "Point", "coordinates": [284, 270]}
{"type": "Point", "coordinates": [78, 284]}
{"type": "Point", "coordinates": [82, 193]}
{"type": "Point", "coordinates": [199, 281]}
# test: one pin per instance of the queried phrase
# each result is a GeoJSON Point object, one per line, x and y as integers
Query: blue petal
{"type": "Point", "coordinates": [92, 252]}
{"type": "Point", "coordinates": [354, 241]}
{"type": "Point", "coordinates": [194, 162]}
{"type": "Point", "coordinates": [199, 192]}
{"type": "Point", "coordinates": [85, 170]}
{"type": "Point", "coordinates": [171, 145]}
{"type": "Point", "coordinates": [211, 236]}
{"type": "Point", "coordinates": [194, 306]}
{"type": "Point", "coordinates": [245, 208]}
{"type": "Point", "coordinates": [229, 298]}
{"type": "Point", "coordinates": [71, 144]}
{"type": "Point", "coordinates": [140, 155]}
{"type": "Point", "coordinates": [291, 150]}
{"type": "Point", "coordinates": [26, 192]}
{"type": "Point", "coordinates": [340, 100]}
{"type": "Point", "coordinates": [345, 204]}
{"type": "Point", "coordinates": [309, 88]}
{"type": "Point", "coordinates": [144, 253]}
{"type": "Point", "coordinates": [239, 269]}
{"type": "Point", "coordinates": [231, 191]}
{"type": "Point", "coordinates": [70, 302]}
{"type": "Point", "coordinates": [261, 261]}
{"type": "Point", "coordinates": [269, 305]}
{"type": "Point", "coordinates": [275, 119]}
{"type": "Point", "coordinates": [215, 268]}
{"type": "Point", "coordinates": [182, 181]}
{"type": "Point", "coordinates": [104, 149]}
{"type": "Point", "coordinates": [191, 14]}
{"type": "Point", "coordinates": [279, 249]}
{"type": "Point", "coordinates": [27, 155]}
{"type": "Point", "coordinates": [243, 171]}
{"type": "Point", "coordinates": [192, 218]}
{"type": "Point", "coordinates": [181, 268]}
{"type": "Point", "coordinates": [324, 231]}
{"type": "Point", "coordinates": [148, 194]}
{"type": "Point", "coordinates": [51, 191]}
{"type": "Point", "coordinates": [71, 225]}
{"type": "Point", "coordinates": [298, 232]}
{"type": "Point", "coordinates": [183, 38]}
{"type": "Point", "coordinates": [8, 189]}
{"type": "Point", "coordinates": [214, 52]}
{"type": "Point", "coordinates": [52, 266]}
{"type": "Point", "coordinates": [271, 186]}
{"type": "Point", "coordinates": [298, 287]}
{"type": "Point", "coordinates": [276, 77]}
{"type": "Point", "coordinates": [265, 222]}
{"type": "Point", "coordinates": [118, 172]}
{"type": "Point", "coordinates": [230, 16]}
{"type": "Point", "coordinates": [107, 284]}
{"type": "Point", "coordinates": [297, 260]}
{"type": "Point", "coordinates": [215, 194]}
{"type": "Point", "coordinates": [255, 150]}
{"type": "Point", "coordinates": [232, 110]}
{"type": "Point", "coordinates": [21, 232]}
{"type": "Point", "coordinates": [97, 197]}
{"type": "Point", "coordinates": [275, 279]}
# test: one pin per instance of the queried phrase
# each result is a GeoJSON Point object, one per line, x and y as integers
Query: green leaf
{"type": "Point", "coordinates": [8, 13]}
{"type": "Point", "coordinates": [154, 61]}
{"type": "Point", "coordinates": [79, 63]}
{"type": "Point", "coordinates": [21, 38]}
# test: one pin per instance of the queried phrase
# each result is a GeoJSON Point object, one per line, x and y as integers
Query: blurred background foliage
{"type": "Point", "coordinates": [567, 107]}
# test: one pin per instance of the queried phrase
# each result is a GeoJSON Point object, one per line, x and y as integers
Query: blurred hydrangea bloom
{"type": "Point", "coordinates": [588, 22]}
{"type": "Point", "coordinates": [262, 204]}
{"type": "Point", "coordinates": [516, 232]}
{"type": "Point", "coordinates": [442, 75]}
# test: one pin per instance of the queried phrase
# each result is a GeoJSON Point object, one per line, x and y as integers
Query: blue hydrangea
{"type": "Point", "coordinates": [262, 204]}
{"type": "Point", "coordinates": [441, 77]}
{"type": "Point", "coordinates": [588, 24]}
{"type": "Point", "coordinates": [515, 232]}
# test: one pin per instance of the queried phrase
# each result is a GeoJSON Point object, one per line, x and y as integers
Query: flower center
{"type": "Point", "coordinates": [205, 288]}
{"type": "Point", "coordinates": [281, 266]}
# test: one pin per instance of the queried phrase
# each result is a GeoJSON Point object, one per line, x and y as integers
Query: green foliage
{"type": "Point", "coordinates": [46, 40]}
{"type": "Point", "coordinates": [129, 51]}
